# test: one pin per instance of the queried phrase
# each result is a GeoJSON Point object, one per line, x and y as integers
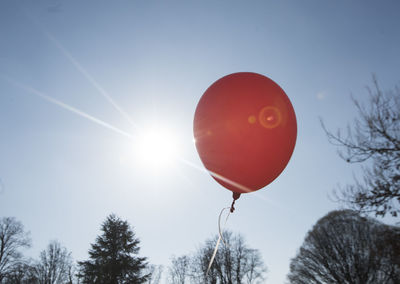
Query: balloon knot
{"type": "Point", "coordinates": [232, 206]}
{"type": "Point", "coordinates": [235, 197]}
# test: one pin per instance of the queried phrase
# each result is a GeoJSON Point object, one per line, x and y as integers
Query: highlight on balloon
{"type": "Point", "coordinates": [270, 117]}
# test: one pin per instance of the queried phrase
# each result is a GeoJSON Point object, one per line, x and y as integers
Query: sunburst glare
{"type": "Point", "coordinates": [157, 147]}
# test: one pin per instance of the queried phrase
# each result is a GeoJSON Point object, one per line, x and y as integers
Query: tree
{"type": "Point", "coordinates": [344, 247]}
{"type": "Point", "coordinates": [114, 256]}
{"type": "Point", "coordinates": [374, 137]}
{"type": "Point", "coordinates": [235, 263]}
{"type": "Point", "coordinates": [20, 273]}
{"type": "Point", "coordinates": [54, 265]}
{"type": "Point", "coordinates": [179, 269]}
{"type": "Point", "coordinates": [12, 239]}
{"type": "Point", "coordinates": [155, 273]}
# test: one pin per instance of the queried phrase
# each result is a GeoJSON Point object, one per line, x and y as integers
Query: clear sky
{"type": "Point", "coordinates": [62, 173]}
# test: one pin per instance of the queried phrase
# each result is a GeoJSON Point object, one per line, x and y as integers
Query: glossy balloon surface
{"type": "Point", "coordinates": [245, 131]}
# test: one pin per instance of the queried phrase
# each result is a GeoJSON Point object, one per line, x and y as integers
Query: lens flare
{"type": "Point", "coordinates": [157, 147]}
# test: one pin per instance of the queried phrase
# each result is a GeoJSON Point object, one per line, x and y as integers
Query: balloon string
{"type": "Point", "coordinates": [220, 238]}
{"type": "Point", "coordinates": [233, 206]}
{"type": "Point", "coordinates": [219, 224]}
{"type": "Point", "coordinates": [220, 235]}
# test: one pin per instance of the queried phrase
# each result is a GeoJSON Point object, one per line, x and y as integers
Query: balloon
{"type": "Point", "coordinates": [245, 131]}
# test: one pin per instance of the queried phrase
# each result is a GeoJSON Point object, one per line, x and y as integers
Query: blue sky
{"type": "Point", "coordinates": [62, 174]}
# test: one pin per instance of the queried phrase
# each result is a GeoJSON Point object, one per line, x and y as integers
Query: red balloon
{"type": "Point", "coordinates": [245, 131]}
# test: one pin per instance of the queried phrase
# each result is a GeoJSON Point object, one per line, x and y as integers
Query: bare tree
{"type": "Point", "coordinates": [54, 265]}
{"type": "Point", "coordinates": [179, 269]}
{"type": "Point", "coordinates": [235, 262]}
{"type": "Point", "coordinates": [154, 272]}
{"type": "Point", "coordinates": [374, 137]}
{"type": "Point", "coordinates": [20, 273]}
{"type": "Point", "coordinates": [254, 274]}
{"type": "Point", "coordinates": [345, 248]}
{"type": "Point", "coordinates": [12, 239]}
{"type": "Point", "coordinates": [72, 274]}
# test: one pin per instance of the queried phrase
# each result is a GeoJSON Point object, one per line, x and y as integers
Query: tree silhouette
{"type": "Point", "coordinates": [235, 263]}
{"type": "Point", "coordinates": [375, 137]}
{"type": "Point", "coordinates": [12, 239]}
{"type": "Point", "coordinates": [21, 273]}
{"type": "Point", "coordinates": [345, 248]}
{"type": "Point", "coordinates": [114, 256]}
{"type": "Point", "coordinates": [155, 272]}
{"type": "Point", "coordinates": [54, 265]}
{"type": "Point", "coordinates": [179, 269]}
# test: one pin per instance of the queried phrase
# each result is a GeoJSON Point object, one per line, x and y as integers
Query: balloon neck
{"type": "Point", "coordinates": [235, 197]}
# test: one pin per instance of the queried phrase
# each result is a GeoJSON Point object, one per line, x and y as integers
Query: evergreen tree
{"type": "Point", "coordinates": [114, 256]}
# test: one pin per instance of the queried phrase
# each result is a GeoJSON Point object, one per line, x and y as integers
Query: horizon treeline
{"type": "Point", "coordinates": [342, 247]}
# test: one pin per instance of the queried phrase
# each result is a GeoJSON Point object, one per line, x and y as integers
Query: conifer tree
{"type": "Point", "coordinates": [114, 256]}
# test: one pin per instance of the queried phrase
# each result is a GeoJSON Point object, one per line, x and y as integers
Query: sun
{"type": "Point", "coordinates": [157, 147]}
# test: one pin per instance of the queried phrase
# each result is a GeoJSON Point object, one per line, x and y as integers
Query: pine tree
{"type": "Point", "coordinates": [114, 256]}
